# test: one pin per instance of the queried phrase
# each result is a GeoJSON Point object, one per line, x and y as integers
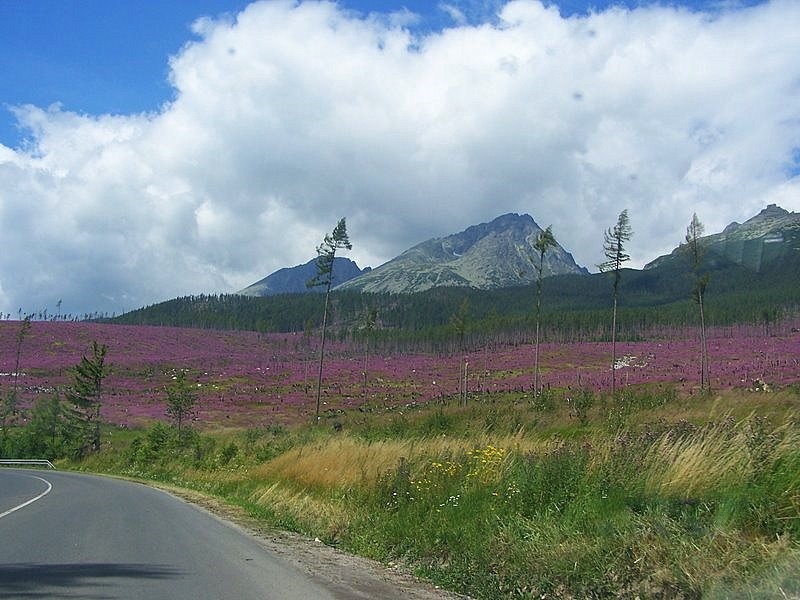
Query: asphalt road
{"type": "Point", "coordinates": [92, 537]}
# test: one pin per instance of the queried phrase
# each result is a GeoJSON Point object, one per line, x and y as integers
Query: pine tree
{"type": "Point", "coordinates": [49, 428]}
{"type": "Point", "coordinates": [86, 393]}
{"type": "Point", "coordinates": [326, 255]}
{"type": "Point", "coordinates": [181, 399]}
{"type": "Point", "coordinates": [614, 250]}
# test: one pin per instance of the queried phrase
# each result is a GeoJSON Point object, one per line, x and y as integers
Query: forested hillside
{"type": "Point", "coordinates": [573, 306]}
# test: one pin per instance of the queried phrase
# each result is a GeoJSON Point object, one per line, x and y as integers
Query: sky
{"type": "Point", "coordinates": [150, 150]}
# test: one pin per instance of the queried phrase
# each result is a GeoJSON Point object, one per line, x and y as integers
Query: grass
{"type": "Point", "coordinates": [647, 494]}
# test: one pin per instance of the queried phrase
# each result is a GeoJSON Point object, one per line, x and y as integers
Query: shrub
{"type": "Point", "coordinates": [582, 402]}
{"type": "Point", "coordinates": [228, 453]}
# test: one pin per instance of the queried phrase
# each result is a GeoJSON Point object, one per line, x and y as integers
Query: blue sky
{"type": "Point", "coordinates": [146, 154]}
{"type": "Point", "coordinates": [92, 56]}
{"type": "Point", "coordinates": [110, 56]}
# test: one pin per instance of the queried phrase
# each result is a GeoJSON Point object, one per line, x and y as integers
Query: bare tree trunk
{"type": "Point", "coordinates": [366, 361]}
{"type": "Point", "coordinates": [322, 345]}
{"type": "Point", "coordinates": [96, 440]}
{"type": "Point", "coordinates": [536, 381]}
{"type": "Point", "coordinates": [466, 366]}
{"type": "Point", "coordinates": [614, 347]}
{"type": "Point", "coordinates": [705, 374]}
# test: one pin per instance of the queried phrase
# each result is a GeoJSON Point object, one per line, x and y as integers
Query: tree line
{"type": "Point", "coordinates": [576, 308]}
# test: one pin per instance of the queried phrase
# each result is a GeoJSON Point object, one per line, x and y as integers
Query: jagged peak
{"type": "Point", "coordinates": [772, 211]}
{"type": "Point", "coordinates": [769, 226]}
{"type": "Point", "coordinates": [501, 222]}
{"type": "Point", "coordinates": [732, 227]}
{"type": "Point", "coordinates": [461, 242]}
{"type": "Point", "coordinates": [512, 216]}
{"type": "Point", "coordinates": [487, 255]}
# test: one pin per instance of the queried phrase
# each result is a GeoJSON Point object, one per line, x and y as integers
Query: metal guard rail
{"type": "Point", "coordinates": [27, 462]}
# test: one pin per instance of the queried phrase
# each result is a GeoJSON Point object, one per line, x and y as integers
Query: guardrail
{"type": "Point", "coordinates": [27, 462]}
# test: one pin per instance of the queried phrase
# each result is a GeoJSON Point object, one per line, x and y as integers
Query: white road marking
{"type": "Point", "coordinates": [32, 500]}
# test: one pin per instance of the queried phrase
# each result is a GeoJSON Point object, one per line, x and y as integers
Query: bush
{"type": "Point", "coordinates": [544, 401]}
{"type": "Point", "coordinates": [582, 402]}
{"type": "Point", "coordinates": [437, 422]}
{"type": "Point", "coordinates": [228, 453]}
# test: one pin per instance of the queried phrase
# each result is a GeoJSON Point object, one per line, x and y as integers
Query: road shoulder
{"type": "Point", "coordinates": [346, 575]}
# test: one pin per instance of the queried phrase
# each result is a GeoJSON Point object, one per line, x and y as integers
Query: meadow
{"type": "Point", "coordinates": [655, 491]}
{"type": "Point", "coordinates": [247, 379]}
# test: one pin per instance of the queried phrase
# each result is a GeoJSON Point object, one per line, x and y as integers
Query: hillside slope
{"type": "Point", "coordinates": [772, 235]}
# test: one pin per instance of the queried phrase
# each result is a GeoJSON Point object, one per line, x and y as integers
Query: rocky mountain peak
{"type": "Point", "coordinates": [771, 211]}
{"type": "Point", "coordinates": [484, 256]}
{"type": "Point", "coordinates": [293, 280]}
{"type": "Point", "coordinates": [770, 235]}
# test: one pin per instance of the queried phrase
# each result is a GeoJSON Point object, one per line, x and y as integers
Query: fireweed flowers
{"type": "Point", "coordinates": [249, 379]}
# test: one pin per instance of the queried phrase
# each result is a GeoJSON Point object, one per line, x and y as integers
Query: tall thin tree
{"type": "Point", "coordinates": [614, 250]}
{"type": "Point", "coordinates": [87, 390]}
{"type": "Point", "coordinates": [695, 250]}
{"type": "Point", "coordinates": [370, 319]}
{"type": "Point", "coordinates": [459, 322]}
{"type": "Point", "coordinates": [9, 407]}
{"type": "Point", "coordinates": [544, 241]}
{"type": "Point", "coordinates": [49, 426]}
{"type": "Point", "coordinates": [326, 255]}
{"type": "Point", "coordinates": [24, 328]}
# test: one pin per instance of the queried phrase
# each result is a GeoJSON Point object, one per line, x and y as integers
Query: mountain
{"type": "Point", "coordinates": [293, 280]}
{"type": "Point", "coordinates": [575, 302]}
{"type": "Point", "coordinates": [486, 256]}
{"type": "Point", "coordinates": [772, 235]}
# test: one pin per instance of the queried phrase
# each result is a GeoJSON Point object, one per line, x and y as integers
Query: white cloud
{"type": "Point", "coordinates": [458, 17]}
{"type": "Point", "coordinates": [293, 115]}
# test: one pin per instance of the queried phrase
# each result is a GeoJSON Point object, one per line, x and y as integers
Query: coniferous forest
{"type": "Point", "coordinates": [576, 307]}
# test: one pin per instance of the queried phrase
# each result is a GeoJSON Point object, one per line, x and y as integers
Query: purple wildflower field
{"type": "Point", "coordinates": [251, 379]}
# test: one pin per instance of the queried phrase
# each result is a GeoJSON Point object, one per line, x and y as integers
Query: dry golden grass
{"type": "Point", "coordinates": [317, 513]}
{"type": "Point", "coordinates": [716, 456]}
{"type": "Point", "coordinates": [347, 461]}
{"type": "Point", "coordinates": [701, 462]}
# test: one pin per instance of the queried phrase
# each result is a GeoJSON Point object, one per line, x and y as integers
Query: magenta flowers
{"type": "Point", "coordinates": [251, 379]}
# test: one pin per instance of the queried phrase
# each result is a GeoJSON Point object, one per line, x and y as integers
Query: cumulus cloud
{"type": "Point", "coordinates": [292, 115]}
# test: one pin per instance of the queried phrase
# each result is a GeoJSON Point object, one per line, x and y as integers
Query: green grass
{"type": "Point", "coordinates": [645, 494]}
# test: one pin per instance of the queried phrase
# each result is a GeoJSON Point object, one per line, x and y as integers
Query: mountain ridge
{"type": "Point", "coordinates": [484, 256]}
{"type": "Point", "coordinates": [773, 234]}
{"type": "Point", "coordinates": [500, 253]}
{"type": "Point", "coordinates": [293, 280]}
{"type": "Point", "coordinates": [575, 302]}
